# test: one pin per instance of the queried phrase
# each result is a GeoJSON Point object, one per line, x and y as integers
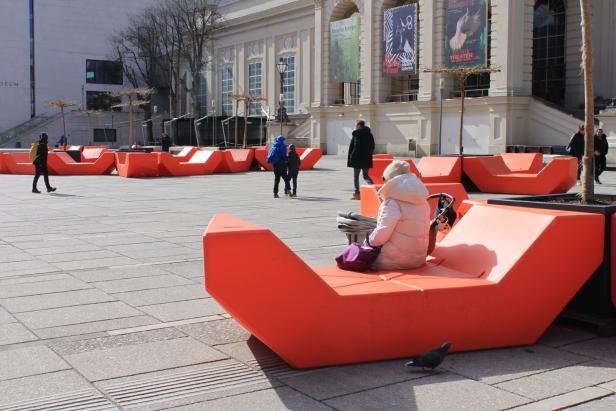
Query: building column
{"type": "Point", "coordinates": [428, 49]}
{"type": "Point", "coordinates": [365, 56]}
{"type": "Point", "coordinates": [271, 75]}
{"type": "Point", "coordinates": [317, 68]}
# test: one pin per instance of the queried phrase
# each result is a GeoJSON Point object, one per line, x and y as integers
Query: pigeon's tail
{"type": "Point", "coordinates": [411, 363]}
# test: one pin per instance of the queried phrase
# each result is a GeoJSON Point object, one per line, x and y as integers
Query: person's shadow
{"type": "Point", "coordinates": [64, 195]}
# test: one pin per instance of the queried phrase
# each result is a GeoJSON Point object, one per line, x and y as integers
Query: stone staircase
{"type": "Point", "coordinates": [30, 127]}
{"type": "Point", "coordinates": [300, 136]}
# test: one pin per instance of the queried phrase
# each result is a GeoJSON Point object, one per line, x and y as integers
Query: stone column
{"type": "Point", "coordinates": [607, 121]}
{"type": "Point", "coordinates": [366, 58]}
{"type": "Point", "coordinates": [317, 68]}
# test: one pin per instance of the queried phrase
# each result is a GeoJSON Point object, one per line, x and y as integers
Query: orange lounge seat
{"type": "Point", "coordinates": [498, 279]}
{"type": "Point", "coordinates": [523, 162]}
{"type": "Point", "coordinates": [370, 200]}
{"type": "Point", "coordinates": [380, 164]}
{"type": "Point", "coordinates": [61, 163]}
{"type": "Point", "coordinates": [90, 154]}
{"type": "Point", "coordinates": [3, 168]}
{"type": "Point", "coordinates": [200, 163]}
{"type": "Point", "coordinates": [383, 156]}
{"type": "Point", "coordinates": [18, 163]}
{"type": "Point", "coordinates": [491, 175]}
{"type": "Point", "coordinates": [261, 158]}
{"type": "Point", "coordinates": [136, 165]}
{"type": "Point", "coordinates": [186, 153]}
{"type": "Point", "coordinates": [308, 156]}
{"type": "Point", "coordinates": [440, 169]}
{"type": "Point", "coordinates": [236, 160]}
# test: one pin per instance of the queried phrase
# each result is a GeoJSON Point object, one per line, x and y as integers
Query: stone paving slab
{"type": "Point", "coordinates": [95, 327]}
{"type": "Point", "coordinates": [93, 263]}
{"type": "Point", "coordinates": [141, 283]}
{"type": "Point", "coordinates": [570, 399]}
{"type": "Point", "coordinates": [141, 358]}
{"type": "Point", "coordinates": [24, 362]}
{"type": "Point", "coordinates": [5, 317]}
{"type": "Point", "coordinates": [75, 315]}
{"type": "Point", "coordinates": [14, 333]}
{"type": "Point", "coordinates": [55, 300]}
{"type": "Point", "coordinates": [184, 309]}
{"type": "Point", "coordinates": [604, 404]}
{"type": "Point", "coordinates": [119, 273]}
{"type": "Point", "coordinates": [216, 332]}
{"type": "Point", "coordinates": [162, 295]}
{"type": "Point", "coordinates": [40, 285]}
{"type": "Point", "coordinates": [440, 392]}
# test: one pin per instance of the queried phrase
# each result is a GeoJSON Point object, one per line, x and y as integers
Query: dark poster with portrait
{"type": "Point", "coordinates": [400, 40]}
{"type": "Point", "coordinates": [466, 42]}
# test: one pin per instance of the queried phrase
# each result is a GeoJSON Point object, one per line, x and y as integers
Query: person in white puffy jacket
{"type": "Point", "coordinates": [403, 221]}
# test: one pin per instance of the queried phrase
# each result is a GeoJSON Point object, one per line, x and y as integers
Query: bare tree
{"type": "Point", "coordinates": [588, 185]}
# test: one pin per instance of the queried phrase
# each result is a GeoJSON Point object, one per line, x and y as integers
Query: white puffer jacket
{"type": "Point", "coordinates": [402, 224]}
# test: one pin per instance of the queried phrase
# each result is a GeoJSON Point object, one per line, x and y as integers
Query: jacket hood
{"type": "Point", "coordinates": [406, 187]}
{"type": "Point", "coordinates": [280, 139]}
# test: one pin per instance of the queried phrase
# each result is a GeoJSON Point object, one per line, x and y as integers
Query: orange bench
{"type": "Point", "coordinates": [61, 163]}
{"type": "Point", "coordinates": [380, 164]}
{"type": "Point", "coordinates": [186, 153]}
{"type": "Point", "coordinates": [440, 169]}
{"type": "Point", "coordinates": [491, 175]}
{"type": "Point", "coordinates": [200, 163]}
{"type": "Point", "coordinates": [308, 156]}
{"type": "Point", "coordinates": [3, 168]}
{"type": "Point", "coordinates": [370, 200]}
{"type": "Point", "coordinates": [135, 165]}
{"type": "Point", "coordinates": [236, 160]}
{"type": "Point", "coordinates": [497, 280]}
{"type": "Point", "coordinates": [18, 163]}
{"type": "Point", "coordinates": [90, 154]}
{"type": "Point", "coordinates": [523, 162]}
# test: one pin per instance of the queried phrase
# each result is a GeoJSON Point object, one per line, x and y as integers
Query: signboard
{"type": "Point", "coordinates": [466, 42]}
{"type": "Point", "coordinates": [344, 50]}
{"type": "Point", "coordinates": [400, 41]}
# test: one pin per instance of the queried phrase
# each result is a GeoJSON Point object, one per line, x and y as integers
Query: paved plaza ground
{"type": "Point", "coordinates": [102, 306]}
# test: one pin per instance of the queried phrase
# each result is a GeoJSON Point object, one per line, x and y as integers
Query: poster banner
{"type": "Point", "coordinates": [466, 42]}
{"type": "Point", "coordinates": [400, 41]}
{"type": "Point", "coordinates": [344, 50]}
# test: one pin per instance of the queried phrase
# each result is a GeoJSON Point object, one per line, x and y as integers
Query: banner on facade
{"type": "Point", "coordinates": [400, 40]}
{"type": "Point", "coordinates": [344, 50]}
{"type": "Point", "coordinates": [466, 42]}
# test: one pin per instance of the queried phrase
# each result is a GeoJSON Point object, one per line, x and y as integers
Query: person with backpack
{"type": "Point", "coordinates": [38, 154]}
{"type": "Point", "coordinates": [294, 163]}
{"type": "Point", "coordinates": [277, 157]}
{"type": "Point", "coordinates": [360, 155]}
{"type": "Point", "coordinates": [575, 148]}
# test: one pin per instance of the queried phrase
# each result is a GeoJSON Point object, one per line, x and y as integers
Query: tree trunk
{"type": "Point", "coordinates": [147, 116]}
{"type": "Point", "coordinates": [130, 122]}
{"type": "Point", "coordinates": [588, 183]}
{"type": "Point", "coordinates": [64, 128]}
{"type": "Point", "coordinates": [245, 142]}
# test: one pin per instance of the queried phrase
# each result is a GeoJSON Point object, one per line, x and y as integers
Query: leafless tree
{"type": "Point", "coordinates": [588, 185]}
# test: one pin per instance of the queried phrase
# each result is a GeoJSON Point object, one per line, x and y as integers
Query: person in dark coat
{"type": "Point", "coordinates": [40, 165]}
{"type": "Point", "coordinates": [601, 149]}
{"type": "Point", "coordinates": [293, 163]}
{"type": "Point", "coordinates": [165, 142]}
{"type": "Point", "coordinates": [277, 157]}
{"type": "Point", "coordinates": [575, 148]}
{"type": "Point", "coordinates": [360, 155]}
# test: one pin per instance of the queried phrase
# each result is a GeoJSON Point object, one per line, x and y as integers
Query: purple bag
{"type": "Point", "coordinates": [358, 257]}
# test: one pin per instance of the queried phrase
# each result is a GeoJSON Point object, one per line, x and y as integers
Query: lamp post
{"type": "Point", "coordinates": [440, 124]}
{"type": "Point", "coordinates": [282, 67]}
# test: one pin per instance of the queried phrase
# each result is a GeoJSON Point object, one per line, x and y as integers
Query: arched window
{"type": "Point", "coordinates": [549, 26]}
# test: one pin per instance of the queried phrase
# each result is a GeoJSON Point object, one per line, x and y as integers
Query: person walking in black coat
{"type": "Point", "coordinates": [601, 149]}
{"type": "Point", "coordinates": [40, 165]}
{"type": "Point", "coordinates": [293, 164]}
{"type": "Point", "coordinates": [575, 148]}
{"type": "Point", "coordinates": [165, 143]}
{"type": "Point", "coordinates": [360, 155]}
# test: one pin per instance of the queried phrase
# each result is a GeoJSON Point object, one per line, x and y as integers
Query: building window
{"type": "Point", "coordinates": [288, 84]}
{"type": "Point", "coordinates": [227, 90]}
{"type": "Point", "coordinates": [104, 72]}
{"type": "Point", "coordinates": [549, 26]}
{"type": "Point", "coordinates": [255, 86]}
{"type": "Point", "coordinates": [101, 100]}
{"type": "Point", "coordinates": [105, 135]}
{"type": "Point", "coordinates": [202, 96]}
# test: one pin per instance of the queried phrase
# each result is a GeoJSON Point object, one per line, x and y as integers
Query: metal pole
{"type": "Point", "coordinates": [462, 119]}
{"type": "Point", "coordinates": [280, 100]}
{"type": "Point", "coordinates": [440, 126]}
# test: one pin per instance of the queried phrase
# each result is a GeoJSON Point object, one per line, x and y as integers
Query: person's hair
{"type": "Point", "coordinates": [581, 127]}
{"type": "Point", "coordinates": [361, 123]}
{"type": "Point", "coordinates": [43, 138]}
{"type": "Point", "coordinates": [395, 169]}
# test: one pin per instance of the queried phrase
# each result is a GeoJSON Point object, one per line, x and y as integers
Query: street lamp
{"type": "Point", "coordinates": [282, 67]}
{"type": "Point", "coordinates": [440, 125]}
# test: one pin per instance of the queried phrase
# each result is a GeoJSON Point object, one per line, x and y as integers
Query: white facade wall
{"type": "Point", "coordinates": [15, 67]}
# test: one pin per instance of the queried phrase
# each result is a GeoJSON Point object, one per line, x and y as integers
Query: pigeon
{"type": "Point", "coordinates": [430, 359]}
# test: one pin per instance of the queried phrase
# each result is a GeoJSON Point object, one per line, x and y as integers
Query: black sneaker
{"type": "Point", "coordinates": [51, 189]}
{"type": "Point", "coordinates": [276, 196]}
{"type": "Point", "coordinates": [35, 191]}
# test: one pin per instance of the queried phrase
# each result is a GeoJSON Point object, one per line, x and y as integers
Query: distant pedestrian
{"type": "Point", "coordinates": [294, 163]}
{"type": "Point", "coordinates": [575, 148]}
{"type": "Point", "coordinates": [40, 165]}
{"type": "Point", "coordinates": [277, 157]}
{"type": "Point", "coordinates": [601, 149]}
{"type": "Point", "coordinates": [360, 155]}
{"type": "Point", "coordinates": [165, 142]}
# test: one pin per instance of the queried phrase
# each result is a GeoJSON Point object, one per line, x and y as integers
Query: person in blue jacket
{"type": "Point", "coordinates": [277, 157]}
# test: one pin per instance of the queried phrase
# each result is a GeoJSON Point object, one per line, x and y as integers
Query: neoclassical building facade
{"type": "Point", "coordinates": [534, 98]}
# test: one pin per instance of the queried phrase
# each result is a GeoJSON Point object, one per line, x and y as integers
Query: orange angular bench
{"type": "Point", "coordinates": [383, 156]}
{"type": "Point", "coordinates": [440, 169]}
{"type": "Point", "coordinates": [380, 164]}
{"type": "Point", "coordinates": [137, 165]}
{"type": "Point", "coordinates": [497, 280]}
{"type": "Point", "coordinates": [200, 163]}
{"type": "Point", "coordinates": [370, 200]}
{"type": "Point", "coordinates": [61, 163]}
{"type": "Point", "coordinates": [491, 175]}
{"type": "Point", "coordinates": [236, 160]}
{"type": "Point", "coordinates": [523, 162]}
{"type": "Point", "coordinates": [90, 154]}
{"type": "Point", "coordinates": [186, 153]}
{"type": "Point", "coordinates": [3, 168]}
{"type": "Point", "coordinates": [18, 163]}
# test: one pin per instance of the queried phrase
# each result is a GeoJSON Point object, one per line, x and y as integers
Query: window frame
{"type": "Point", "coordinates": [226, 90]}
{"type": "Point", "coordinates": [289, 84]}
{"type": "Point", "coordinates": [255, 87]}
{"type": "Point", "coordinates": [103, 72]}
